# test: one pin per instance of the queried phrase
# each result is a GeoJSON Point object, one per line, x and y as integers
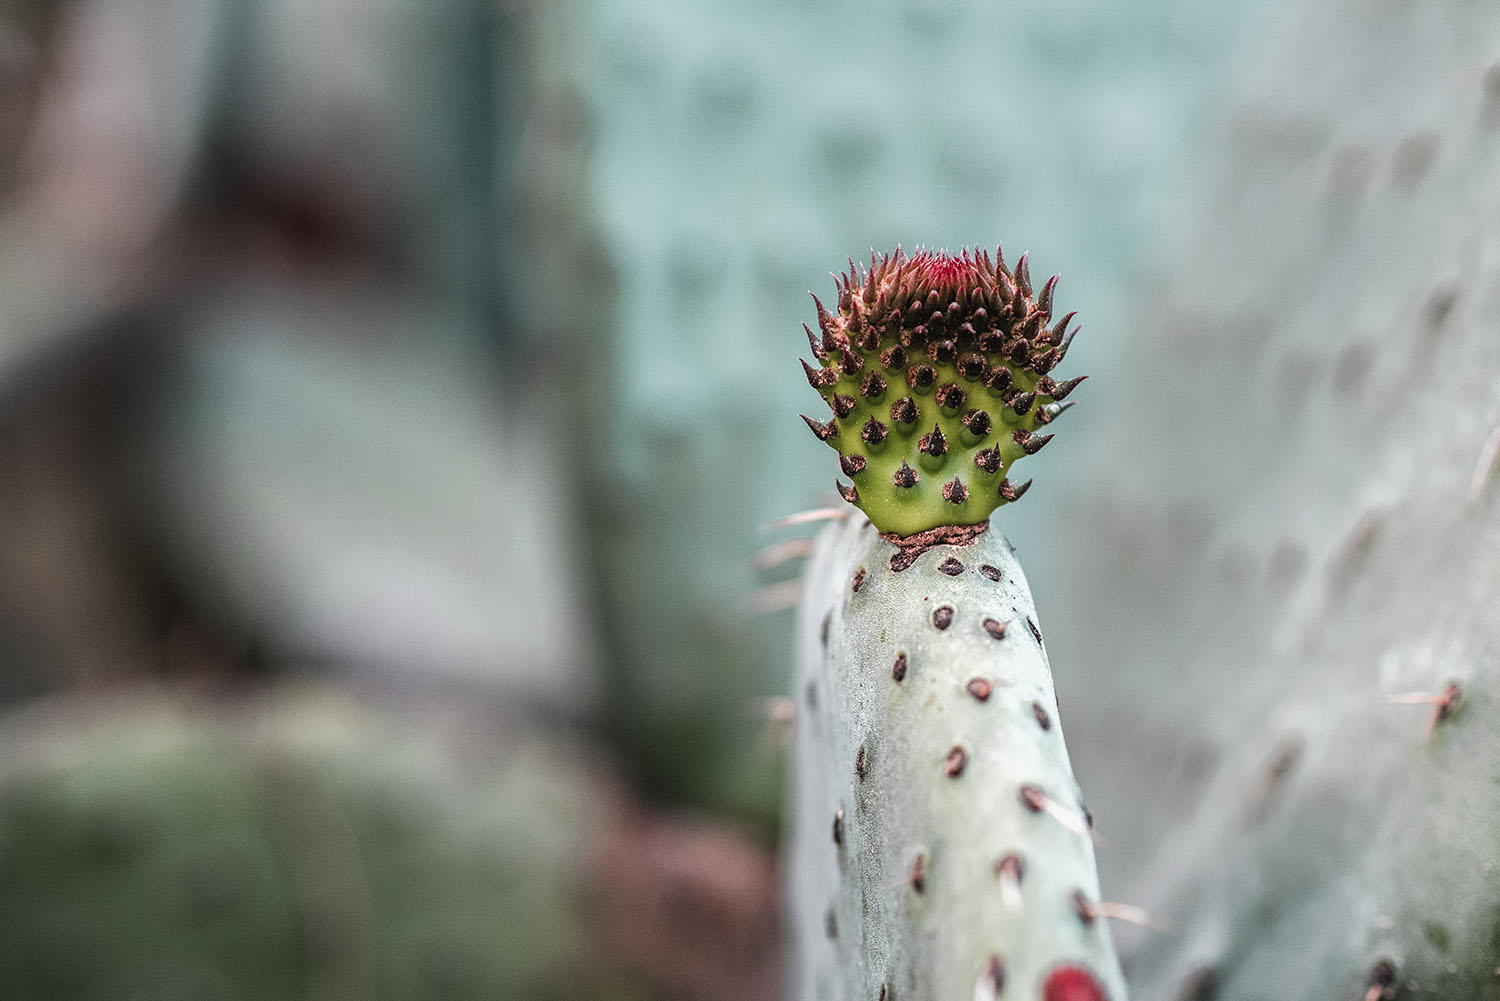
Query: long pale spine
{"type": "Point", "coordinates": [939, 844]}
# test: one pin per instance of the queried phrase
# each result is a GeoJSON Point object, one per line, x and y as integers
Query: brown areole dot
{"type": "Point", "coordinates": [952, 566]}
{"type": "Point", "coordinates": [859, 763]}
{"type": "Point", "coordinates": [838, 827]}
{"type": "Point", "coordinates": [972, 367]}
{"type": "Point", "coordinates": [1033, 798]}
{"type": "Point", "coordinates": [823, 431]}
{"type": "Point", "coordinates": [992, 980]}
{"type": "Point", "coordinates": [1380, 984]}
{"type": "Point", "coordinates": [991, 572]}
{"type": "Point", "coordinates": [1010, 866]}
{"type": "Point", "coordinates": [859, 580]}
{"type": "Point", "coordinates": [995, 628]}
{"type": "Point", "coordinates": [1012, 493]}
{"type": "Point", "coordinates": [1447, 703]}
{"type": "Point", "coordinates": [955, 492]}
{"type": "Point", "coordinates": [954, 762]}
{"type": "Point", "coordinates": [950, 396]}
{"type": "Point", "coordinates": [1085, 910]}
{"type": "Point", "coordinates": [820, 378]}
{"type": "Point", "coordinates": [898, 669]}
{"type": "Point", "coordinates": [918, 877]}
{"type": "Point", "coordinates": [905, 411]}
{"type": "Point", "coordinates": [942, 616]}
{"type": "Point", "coordinates": [1034, 630]}
{"type": "Point", "coordinates": [1043, 720]}
{"type": "Point", "coordinates": [977, 423]}
{"type": "Point", "coordinates": [921, 376]}
{"type": "Point", "coordinates": [933, 443]}
{"type": "Point", "coordinates": [980, 688]}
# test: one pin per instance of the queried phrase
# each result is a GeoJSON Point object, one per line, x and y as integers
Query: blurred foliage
{"type": "Point", "coordinates": [297, 846]}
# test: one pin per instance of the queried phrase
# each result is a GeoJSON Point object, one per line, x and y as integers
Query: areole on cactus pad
{"type": "Point", "coordinates": [936, 367]}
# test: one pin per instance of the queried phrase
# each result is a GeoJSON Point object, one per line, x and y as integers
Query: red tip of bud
{"type": "Point", "coordinates": [945, 270]}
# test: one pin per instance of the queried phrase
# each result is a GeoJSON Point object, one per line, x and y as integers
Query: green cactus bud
{"type": "Point", "coordinates": [971, 343]}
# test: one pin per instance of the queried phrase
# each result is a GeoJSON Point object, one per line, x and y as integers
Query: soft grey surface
{"type": "Point", "coordinates": [1295, 522]}
{"type": "Point", "coordinates": [366, 498]}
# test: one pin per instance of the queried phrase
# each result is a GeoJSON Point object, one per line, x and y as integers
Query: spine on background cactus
{"type": "Point", "coordinates": [939, 847]}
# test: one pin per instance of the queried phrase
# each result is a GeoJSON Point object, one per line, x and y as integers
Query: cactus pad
{"type": "Point", "coordinates": [938, 843]}
{"type": "Point", "coordinates": [936, 367]}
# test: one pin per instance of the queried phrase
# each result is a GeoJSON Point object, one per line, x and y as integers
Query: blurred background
{"type": "Point", "coordinates": [392, 395]}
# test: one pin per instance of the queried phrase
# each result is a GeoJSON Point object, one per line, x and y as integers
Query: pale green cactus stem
{"type": "Point", "coordinates": [939, 844]}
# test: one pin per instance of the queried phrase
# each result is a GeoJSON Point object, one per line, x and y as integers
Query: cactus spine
{"type": "Point", "coordinates": [939, 844]}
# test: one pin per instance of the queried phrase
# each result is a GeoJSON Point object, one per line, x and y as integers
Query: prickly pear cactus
{"type": "Point", "coordinates": [939, 844]}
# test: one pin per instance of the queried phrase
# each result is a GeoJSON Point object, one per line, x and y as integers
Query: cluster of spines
{"type": "Point", "coordinates": [961, 341]}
